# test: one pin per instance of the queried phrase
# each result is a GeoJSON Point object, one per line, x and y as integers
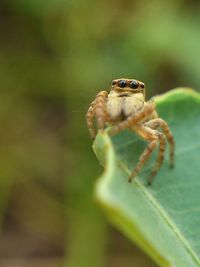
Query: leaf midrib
{"type": "Point", "coordinates": [169, 222]}
{"type": "Point", "coordinates": [163, 215]}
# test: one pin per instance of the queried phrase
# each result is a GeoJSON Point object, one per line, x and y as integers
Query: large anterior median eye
{"type": "Point", "coordinates": [122, 83]}
{"type": "Point", "coordinates": [134, 85]}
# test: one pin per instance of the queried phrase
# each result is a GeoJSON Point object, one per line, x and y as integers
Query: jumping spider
{"type": "Point", "coordinates": [124, 107]}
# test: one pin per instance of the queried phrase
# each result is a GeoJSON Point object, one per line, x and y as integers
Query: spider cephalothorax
{"type": "Point", "coordinates": [124, 107]}
{"type": "Point", "coordinates": [126, 97]}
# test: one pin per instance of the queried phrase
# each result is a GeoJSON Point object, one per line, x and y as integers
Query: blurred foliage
{"type": "Point", "coordinates": [54, 56]}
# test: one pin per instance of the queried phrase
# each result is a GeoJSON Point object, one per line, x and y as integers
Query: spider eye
{"type": "Point", "coordinates": [134, 85]}
{"type": "Point", "coordinates": [122, 83]}
{"type": "Point", "coordinates": [113, 82]}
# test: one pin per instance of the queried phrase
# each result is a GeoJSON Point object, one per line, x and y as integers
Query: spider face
{"type": "Point", "coordinates": [129, 85]}
{"type": "Point", "coordinates": [126, 97]}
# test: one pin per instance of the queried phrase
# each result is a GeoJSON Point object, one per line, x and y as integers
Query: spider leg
{"type": "Point", "coordinates": [160, 158]}
{"type": "Point", "coordinates": [151, 136]}
{"type": "Point", "coordinates": [141, 116]}
{"type": "Point", "coordinates": [89, 119]}
{"type": "Point", "coordinates": [98, 108]}
{"type": "Point", "coordinates": [154, 124]}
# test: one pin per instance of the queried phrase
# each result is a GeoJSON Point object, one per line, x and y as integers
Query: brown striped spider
{"type": "Point", "coordinates": [124, 107]}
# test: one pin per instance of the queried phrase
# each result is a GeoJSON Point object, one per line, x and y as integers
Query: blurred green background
{"type": "Point", "coordinates": [55, 55]}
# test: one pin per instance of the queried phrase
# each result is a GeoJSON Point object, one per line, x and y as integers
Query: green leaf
{"type": "Point", "coordinates": [164, 218]}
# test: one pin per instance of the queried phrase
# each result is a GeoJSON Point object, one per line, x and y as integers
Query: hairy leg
{"type": "Point", "coordinates": [98, 108]}
{"type": "Point", "coordinates": [160, 158]}
{"type": "Point", "coordinates": [151, 136]}
{"type": "Point", "coordinates": [89, 119]}
{"type": "Point", "coordinates": [142, 115]}
{"type": "Point", "coordinates": [154, 124]}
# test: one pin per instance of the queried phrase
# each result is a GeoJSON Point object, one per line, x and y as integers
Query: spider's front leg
{"type": "Point", "coordinates": [89, 119]}
{"type": "Point", "coordinates": [98, 109]}
{"type": "Point", "coordinates": [146, 112]}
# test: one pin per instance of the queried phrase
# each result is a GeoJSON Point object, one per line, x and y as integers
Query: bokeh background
{"type": "Point", "coordinates": [55, 55]}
